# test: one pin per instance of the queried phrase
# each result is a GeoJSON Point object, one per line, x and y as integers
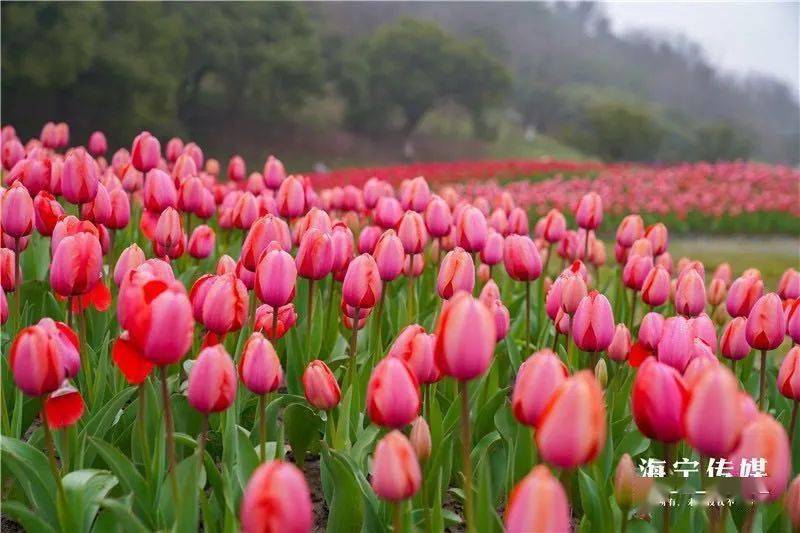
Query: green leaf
{"type": "Point", "coordinates": [30, 469]}
{"type": "Point", "coordinates": [125, 517]}
{"type": "Point", "coordinates": [83, 491]}
{"type": "Point", "coordinates": [27, 518]}
{"type": "Point", "coordinates": [592, 503]}
{"type": "Point", "coordinates": [346, 506]}
{"type": "Point", "coordinates": [246, 457]}
{"type": "Point", "coordinates": [302, 428]}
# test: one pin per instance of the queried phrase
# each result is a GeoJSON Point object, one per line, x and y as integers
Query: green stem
{"type": "Point", "coordinates": [410, 296]}
{"type": "Point", "coordinates": [793, 422]}
{"type": "Point", "coordinates": [397, 516]}
{"type": "Point", "coordinates": [51, 456]}
{"type": "Point", "coordinates": [201, 442]}
{"type": "Point", "coordinates": [668, 460]}
{"type": "Point", "coordinates": [169, 428]}
{"type": "Point", "coordinates": [466, 460]}
{"type": "Point", "coordinates": [309, 356]}
{"type": "Point", "coordinates": [351, 370]}
{"type": "Point", "coordinates": [762, 381]}
{"type": "Point", "coordinates": [527, 316]}
{"type": "Point", "coordinates": [262, 425]}
{"type": "Point", "coordinates": [142, 423]}
{"type": "Point", "coordinates": [633, 309]}
{"type": "Point", "coordinates": [85, 366]}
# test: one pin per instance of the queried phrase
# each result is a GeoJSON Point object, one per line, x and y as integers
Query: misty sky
{"type": "Point", "coordinates": [738, 37]}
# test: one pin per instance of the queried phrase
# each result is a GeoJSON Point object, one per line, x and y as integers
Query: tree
{"type": "Point", "coordinates": [722, 140]}
{"type": "Point", "coordinates": [408, 68]}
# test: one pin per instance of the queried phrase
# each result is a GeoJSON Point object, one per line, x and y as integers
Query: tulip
{"type": "Point", "coordinates": [362, 285]}
{"type": "Point", "coordinates": [630, 488]}
{"type": "Point", "coordinates": [276, 498]}
{"type": "Point", "coordinates": [521, 258]}
{"type": "Point", "coordinates": [97, 143]}
{"type": "Point", "coordinates": [489, 293]}
{"type": "Point", "coordinates": [572, 428]}
{"type": "Point", "coordinates": [465, 338]}
{"type": "Point", "coordinates": [77, 265]}
{"type": "Point", "coordinates": [47, 212]}
{"type": "Point", "coordinates": [555, 226]}
{"type": "Point", "coordinates": [713, 417]}
{"type": "Point", "coordinates": [636, 270]}
{"type": "Point", "coordinates": [789, 285]}
{"type": "Point", "coordinates": [658, 401]}
{"type": "Point", "coordinates": [743, 294]}
{"type": "Point", "coordinates": [212, 381]}
{"type": "Point", "coordinates": [415, 347]}
{"type": "Point", "coordinates": [438, 218]}
{"type": "Point", "coordinates": [733, 343]}
{"type": "Point", "coordinates": [388, 212]}
{"type": "Point", "coordinates": [393, 397]}
{"type": "Point", "coordinates": [537, 380]}
{"type": "Point", "coordinates": [320, 386]}
{"type": "Point", "coordinates": [3, 307]}
{"type": "Point", "coordinates": [703, 328]}
{"type": "Point", "coordinates": [621, 344]}
{"type": "Point", "coordinates": [225, 305]}
{"type": "Point", "coordinates": [259, 367]}
{"type": "Point", "coordinates": [764, 439]}
{"type": "Point", "coordinates": [589, 213]}
{"type": "Point", "coordinates": [630, 230]}
{"type": "Point", "coordinates": [79, 178]}
{"type": "Point", "coordinates": [275, 327]}
{"type": "Point", "coordinates": [471, 230]}
{"type": "Point", "coordinates": [245, 211]}
{"type": "Point", "coordinates": [315, 256]}
{"type": "Point", "coordinates": [765, 330]}
{"type": "Point", "coordinates": [502, 319]}
{"type": "Point", "coordinates": [120, 214]}
{"type": "Point", "coordinates": [98, 210]}
{"type": "Point", "coordinates": [538, 503]}
{"type": "Point", "coordinates": [169, 236]}
{"type": "Point", "coordinates": [274, 173]}
{"type": "Point", "coordinates": [456, 273]}
{"type": "Point", "coordinates": [396, 475]}
{"type": "Point", "coordinates": [518, 222]}
{"type": "Point", "coordinates": [291, 198]}
{"type": "Point", "coordinates": [659, 237]}
{"type": "Point", "coordinates": [690, 294]}
{"type": "Point", "coordinates": [159, 191]}
{"type": "Point", "coordinates": [276, 275]}
{"type": "Point", "coordinates": [793, 320]}
{"type": "Point", "coordinates": [675, 346]}
{"type": "Point", "coordinates": [789, 375]}
{"type": "Point", "coordinates": [17, 212]}
{"type": "Point", "coordinates": [573, 291]}
{"type": "Point", "coordinates": [593, 323]}
{"type": "Point", "coordinates": [130, 258]}
{"type": "Point", "coordinates": [792, 502]}
{"type": "Point", "coordinates": [389, 255]}
{"type": "Point", "coordinates": [11, 153]}
{"type": "Point", "coordinates": [412, 232]}
{"type": "Point", "coordinates": [716, 292]}
{"type": "Point", "coordinates": [493, 250]}
{"type": "Point", "coordinates": [650, 330]}
{"type": "Point", "coordinates": [35, 362]}
{"type": "Point", "coordinates": [201, 242]}
{"type": "Point", "coordinates": [64, 407]}
{"type": "Point", "coordinates": [145, 152]}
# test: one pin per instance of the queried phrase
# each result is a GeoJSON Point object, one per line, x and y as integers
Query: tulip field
{"type": "Point", "coordinates": [475, 346]}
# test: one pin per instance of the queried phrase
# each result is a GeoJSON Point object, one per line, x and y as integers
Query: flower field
{"type": "Point", "coordinates": [189, 344]}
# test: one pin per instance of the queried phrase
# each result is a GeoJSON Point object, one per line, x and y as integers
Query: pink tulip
{"type": "Point", "coordinates": [690, 294]}
{"type": "Point", "coordinates": [259, 367]}
{"type": "Point", "coordinates": [521, 258]}
{"type": "Point", "coordinates": [362, 284]}
{"type": "Point", "coordinates": [159, 191]}
{"type": "Point", "coordinates": [276, 498]}
{"type": "Point", "coordinates": [713, 418]}
{"type": "Point", "coordinates": [658, 401]}
{"type": "Point", "coordinates": [145, 152]}
{"type": "Point", "coordinates": [245, 211]}
{"type": "Point", "coordinates": [130, 258]}
{"type": "Point", "coordinates": [11, 153]}
{"type": "Point", "coordinates": [201, 242]}
{"type": "Point", "coordinates": [276, 275]}
{"type": "Point", "coordinates": [789, 375]}
{"type": "Point", "coordinates": [659, 237]}
{"type": "Point", "coordinates": [35, 362]}
{"type": "Point", "coordinates": [225, 305]}
{"type": "Point", "coordinates": [589, 213]}
{"type": "Point", "coordinates": [538, 503]}
{"type": "Point", "coordinates": [620, 345]}
{"type": "Point", "coordinates": [320, 386]}
{"type": "Point", "coordinates": [97, 144]}
{"type": "Point", "coordinates": [733, 343]}
{"type": "Point", "coordinates": [388, 212]}
{"type": "Point", "coordinates": [471, 230]}
{"type": "Point", "coordinates": [573, 291]}
{"type": "Point", "coordinates": [438, 218]}
{"type": "Point", "coordinates": [766, 323]}
{"type": "Point", "coordinates": [412, 232]}
{"type": "Point", "coordinates": [675, 346]}
{"type": "Point", "coordinates": [572, 428]}
{"type": "Point", "coordinates": [630, 488]}
{"type": "Point", "coordinates": [636, 271]}
{"type": "Point", "coordinates": [554, 226]}
{"type": "Point", "coordinates": [287, 318]}
{"type": "Point", "coordinates": [396, 475]}
{"type": "Point", "coordinates": [315, 256]}
{"type": "Point", "coordinates": [465, 338]}
{"type": "Point", "coordinates": [493, 250]}
{"type": "Point", "coordinates": [77, 265]}
{"type": "Point", "coordinates": [274, 173]}
{"type": "Point", "coordinates": [716, 292]}
{"type": "Point", "coordinates": [789, 285]}
{"type": "Point", "coordinates": [415, 347]}
{"type": "Point", "coordinates": [764, 438]}
{"type": "Point", "coordinates": [456, 273]}
{"type": "Point", "coordinates": [502, 319]}
{"type": "Point", "coordinates": [630, 230]}
{"type": "Point", "coordinates": [537, 379]}
{"type": "Point", "coordinates": [743, 294]}
{"type": "Point", "coordinates": [389, 255]}
{"type": "Point", "coordinates": [264, 230]}
{"type": "Point", "coordinates": [291, 198]}
{"type": "Point", "coordinates": [393, 397]}
{"type": "Point", "coordinates": [17, 211]}
{"type": "Point", "coordinates": [593, 323]}
{"type": "Point", "coordinates": [79, 177]}
{"type": "Point", "coordinates": [212, 381]}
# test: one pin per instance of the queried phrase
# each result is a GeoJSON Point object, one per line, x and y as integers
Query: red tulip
{"type": "Point", "coordinates": [465, 338]}
{"type": "Point", "coordinates": [538, 378]}
{"type": "Point", "coordinates": [264, 230]}
{"type": "Point", "coordinates": [276, 276]}
{"type": "Point", "coordinates": [572, 428]}
{"type": "Point", "coordinates": [320, 386]}
{"type": "Point", "coordinates": [393, 397]}
{"type": "Point", "coordinates": [64, 407]}
{"type": "Point", "coordinates": [538, 503]}
{"type": "Point", "coordinates": [362, 284]}
{"type": "Point", "coordinates": [766, 323]}
{"type": "Point", "coordinates": [521, 258]}
{"type": "Point", "coordinates": [315, 256]}
{"type": "Point", "coordinates": [589, 213]}
{"type": "Point", "coordinates": [456, 273]}
{"type": "Point", "coordinates": [593, 323]}
{"type": "Point", "coordinates": [212, 381]}
{"type": "Point", "coordinates": [276, 499]}
{"type": "Point", "coordinates": [35, 362]}
{"type": "Point", "coordinates": [77, 265]}
{"type": "Point", "coordinates": [396, 475]}
{"type": "Point", "coordinates": [145, 152]}
{"type": "Point", "coordinates": [658, 401]}
{"type": "Point", "coordinates": [47, 212]}
{"type": "Point", "coordinates": [17, 211]}
{"type": "Point", "coordinates": [764, 439]}
{"type": "Point", "coordinates": [259, 367]}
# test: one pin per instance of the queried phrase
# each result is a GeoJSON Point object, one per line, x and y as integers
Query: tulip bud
{"type": "Point", "coordinates": [420, 438]}
{"type": "Point", "coordinates": [201, 243]}
{"type": "Point", "coordinates": [456, 273]}
{"type": "Point", "coordinates": [276, 499]}
{"type": "Point", "coordinates": [573, 291]}
{"type": "Point", "coordinates": [17, 211]}
{"type": "Point", "coordinates": [259, 367]}
{"type": "Point", "coordinates": [79, 178]}
{"type": "Point", "coordinates": [538, 503]}
{"type": "Point", "coordinates": [274, 173]}
{"type": "Point", "coordinates": [733, 343]}
{"type": "Point", "coordinates": [396, 475]}
{"type": "Point", "coordinates": [415, 347]}
{"type": "Point", "coordinates": [716, 292]}
{"type": "Point", "coordinates": [212, 381]}
{"type": "Point", "coordinates": [389, 255]}
{"type": "Point", "coordinates": [572, 429]}
{"type": "Point", "coordinates": [789, 285]}
{"type": "Point", "coordinates": [518, 222]}
{"type": "Point", "coordinates": [225, 305]}
{"type": "Point", "coordinates": [766, 323]}
{"type": "Point", "coordinates": [658, 401]}
{"type": "Point", "coordinates": [636, 270]}
{"type": "Point", "coordinates": [130, 258]}
{"type": "Point", "coordinates": [593, 323]}
{"type": "Point", "coordinates": [287, 318]}
{"type": "Point", "coordinates": [47, 212]}
{"type": "Point", "coordinates": [438, 217]}
{"type": "Point", "coordinates": [465, 338]}
{"type": "Point", "coordinates": [713, 418]}
{"type": "Point", "coordinates": [412, 232]}
{"type": "Point", "coordinates": [792, 502]}
{"type": "Point", "coordinates": [764, 438]}
{"type": "Point", "coordinates": [493, 250]}
{"type": "Point", "coordinates": [98, 210]}
{"type": "Point", "coordinates": [169, 234]}
{"type": "Point", "coordinates": [393, 397]}
{"type": "Point", "coordinates": [789, 375]}
{"type": "Point", "coordinates": [630, 230]}
{"type": "Point", "coordinates": [3, 307]}
{"type": "Point", "coordinates": [521, 258]}
{"type": "Point", "coordinates": [620, 345]}
{"type": "Point", "coordinates": [675, 346]}
{"type": "Point", "coordinates": [11, 153]}
{"type": "Point", "coordinates": [743, 294]}
{"type": "Point", "coordinates": [471, 230]}
{"type": "Point", "coordinates": [35, 362]}
{"type": "Point", "coordinates": [387, 212]}
{"type": "Point", "coordinates": [276, 276]}
{"type": "Point", "coordinates": [245, 211]}
{"type": "Point", "coordinates": [792, 312]}
{"type": "Point", "coordinates": [502, 319]}
{"type": "Point", "coordinates": [690, 293]}
{"type": "Point", "coordinates": [291, 198]}
{"type": "Point", "coordinates": [362, 284]}
{"type": "Point", "coordinates": [538, 378]}
{"type": "Point", "coordinates": [320, 386]}
{"type": "Point", "coordinates": [630, 488]}
{"type": "Point", "coordinates": [658, 236]}
{"type": "Point", "coordinates": [555, 226]}
{"type": "Point", "coordinates": [77, 265]}
{"type": "Point", "coordinates": [145, 152]}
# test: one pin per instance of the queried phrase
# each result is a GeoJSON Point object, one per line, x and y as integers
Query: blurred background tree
{"type": "Point", "coordinates": [345, 82]}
